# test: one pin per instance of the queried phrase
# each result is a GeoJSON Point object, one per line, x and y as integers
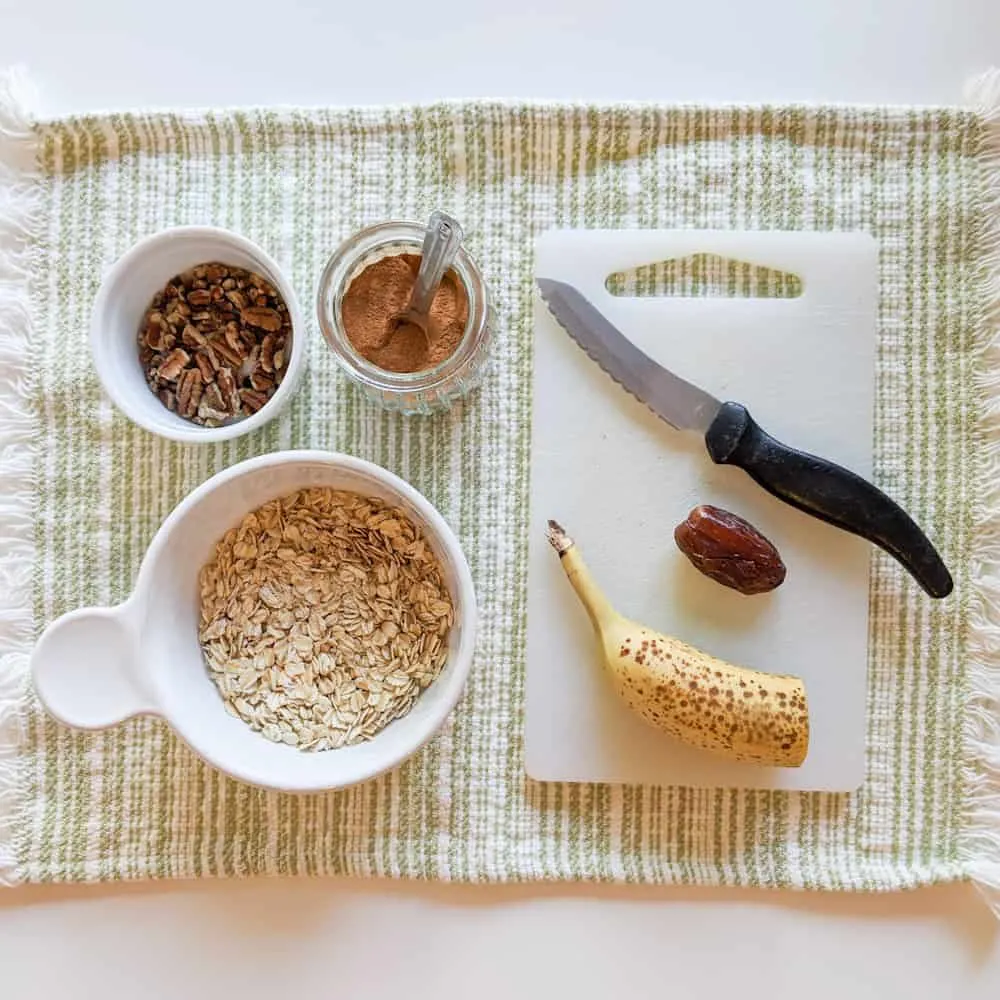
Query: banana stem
{"type": "Point", "coordinates": [591, 596]}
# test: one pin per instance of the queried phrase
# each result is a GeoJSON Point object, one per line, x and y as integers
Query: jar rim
{"type": "Point", "coordinates": [359, 251]}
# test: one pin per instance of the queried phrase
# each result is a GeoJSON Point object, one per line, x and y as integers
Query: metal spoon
{"type": "Point", "coordinates": [441, 244]}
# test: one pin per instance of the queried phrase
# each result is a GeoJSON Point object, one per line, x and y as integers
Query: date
{"type": "Point", "coordinates": [729, 550]}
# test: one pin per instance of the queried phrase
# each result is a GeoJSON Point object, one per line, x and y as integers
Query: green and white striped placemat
{"type": "Point", "coordinates": [82, 491]}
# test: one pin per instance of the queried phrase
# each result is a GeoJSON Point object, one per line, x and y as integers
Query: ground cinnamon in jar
{"type": "Point", "coordinates": [380, 293]}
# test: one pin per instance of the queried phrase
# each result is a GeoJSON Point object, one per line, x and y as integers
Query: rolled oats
{"type": "Point", "coordinates": [324, 614]}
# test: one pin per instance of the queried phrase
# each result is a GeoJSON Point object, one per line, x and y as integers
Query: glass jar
{"type": "Point", "coordinates": [422, 391]}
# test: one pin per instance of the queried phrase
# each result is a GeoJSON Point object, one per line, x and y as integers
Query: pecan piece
{"type": "Point", "coordinates": [233, 339]}
{"type": "Point", "coordinates": [261, 381]}
{"type": "Point", "coordinates": [159, 338]}
{"type": "Point", "coordinates": [729, 550]}
{"type": "Point", "coordinates": [192, 337]}
{"type": "Point", "coordinates": [251, 364]}
{"type": "Point", "coordinates": [227, 389]}
{"type": "Point", "coordinates": [189, 392]}
{"type": "Point", "coordinates": [199, 297]}
{"type": "Point", "coordinates": [252, 399]}
{"type": "Point", "coordinates": [212, 409]}
{"type": "Point", "coordinates": [266, 319]}
{"type": "Point", "coordinates": [203, 359]}
{"type": "Point", "coordinates": [173, 364]}
{"type": "Point", "coordinates": [233, 358]}
{"type": "Point", "coordinates": [267, 353]}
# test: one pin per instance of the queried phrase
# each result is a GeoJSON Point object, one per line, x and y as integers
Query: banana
{"type": "Point", "coordinates": [743, 714]}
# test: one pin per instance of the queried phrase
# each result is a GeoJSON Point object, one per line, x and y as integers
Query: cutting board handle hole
{"type": "Point", "coordinates": [704, 275]}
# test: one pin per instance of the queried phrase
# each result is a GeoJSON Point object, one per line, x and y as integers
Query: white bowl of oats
{"type": "Point", "coordinates": [304, 620]}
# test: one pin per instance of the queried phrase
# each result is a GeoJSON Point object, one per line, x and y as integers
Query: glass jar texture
{"type": "Point", "coordinates": [426, 390]}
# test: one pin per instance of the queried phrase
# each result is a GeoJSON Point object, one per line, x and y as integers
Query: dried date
{"type": "Point", "coordinates": [729, 550]}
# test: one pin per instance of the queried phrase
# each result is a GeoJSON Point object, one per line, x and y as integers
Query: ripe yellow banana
{"type": "Point", "coordinates": [741, 713]}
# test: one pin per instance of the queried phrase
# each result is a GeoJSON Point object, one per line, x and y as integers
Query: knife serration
{"type": "Point", "coordinates": [673, 399]}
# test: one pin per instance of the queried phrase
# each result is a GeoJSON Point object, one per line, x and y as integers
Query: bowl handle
{"type": "Point", "coordinates": [85, 668]}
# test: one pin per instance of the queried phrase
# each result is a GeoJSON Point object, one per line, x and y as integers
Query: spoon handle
{"type": "Point", "coordinates": [441, 243]}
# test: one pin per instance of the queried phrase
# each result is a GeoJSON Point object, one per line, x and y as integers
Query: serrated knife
{"type": "Point", "coordinates": [811, 484]}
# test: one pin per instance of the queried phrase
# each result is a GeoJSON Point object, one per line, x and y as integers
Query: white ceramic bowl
{"type": "Point", "coordinates": [124, 297]}
{"type": "Point", "coordinates": [95, 667]}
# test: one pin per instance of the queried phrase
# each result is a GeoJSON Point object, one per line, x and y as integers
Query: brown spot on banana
{"type": "Point", "coordinates": [740, 713]}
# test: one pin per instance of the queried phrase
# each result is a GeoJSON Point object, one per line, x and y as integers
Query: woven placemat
{"type": "Point", "coordinates": [84, 490]}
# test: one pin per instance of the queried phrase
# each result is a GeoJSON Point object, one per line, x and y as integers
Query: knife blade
{"type": "Point", "coordinates": [807, 482]}
{"type": "Point", "coordinates": [684, 406]}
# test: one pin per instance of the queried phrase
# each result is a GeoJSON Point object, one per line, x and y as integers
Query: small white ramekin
{"type": "Point", "coordinates": [95, 667]}
{"type": "Point", "coordinates": [125, 295]}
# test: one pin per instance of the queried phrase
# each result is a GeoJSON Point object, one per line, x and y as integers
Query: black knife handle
{"type": "Point", "coordinates": [826, 491]}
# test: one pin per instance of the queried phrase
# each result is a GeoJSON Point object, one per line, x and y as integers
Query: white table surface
{"type": "Point", "coordinates": [352, 939]}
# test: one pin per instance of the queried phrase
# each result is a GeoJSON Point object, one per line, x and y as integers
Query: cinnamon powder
{"type": "Point", "coordinates": [380, 293]}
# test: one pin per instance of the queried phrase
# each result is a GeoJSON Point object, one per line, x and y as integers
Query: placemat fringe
{"type": "Point", "coordinates": [19, 227]}
{"type": "Point", "coordinates": [982, 725]}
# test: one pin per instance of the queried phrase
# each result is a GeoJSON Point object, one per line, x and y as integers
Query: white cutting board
{"type": "Point", "coordinates": [619, 480]}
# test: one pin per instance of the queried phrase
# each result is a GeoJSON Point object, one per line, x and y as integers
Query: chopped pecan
{"type": "Point", "coordinates": [159, 338]}
{"type": "Point", "coordinates": [203, 360]}
{"type": "Point", "coordinates": [267, 353]}
{"type": "Point", "coordinates": [250, 364]}
{"type": "Point", "coordinates": [233, 339]}
{"type": "Point", "coordinates": [234, 358]}
{"type": "Point", "coordinates": [189, 392]}
{"type": "Point", "coordinates": [210, 417]}
{"type": "Point", "coordinates": [261, 381]}
{"type": "Point", "coordinates": [252, 399]}
{"type": "Point", "coordinates": [227, 390]}
{"type": "Point", "coordinates": [266, 319]}
{"type": "Point", "coordinates": [173, 364]}
{"type": "Point", "coordinates": [212, 397]}
{"type": "Point", "coordinates": [192, 336]}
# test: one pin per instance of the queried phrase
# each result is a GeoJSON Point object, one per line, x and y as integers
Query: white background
{"type": "Point", "coordinates": [335, 938]}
